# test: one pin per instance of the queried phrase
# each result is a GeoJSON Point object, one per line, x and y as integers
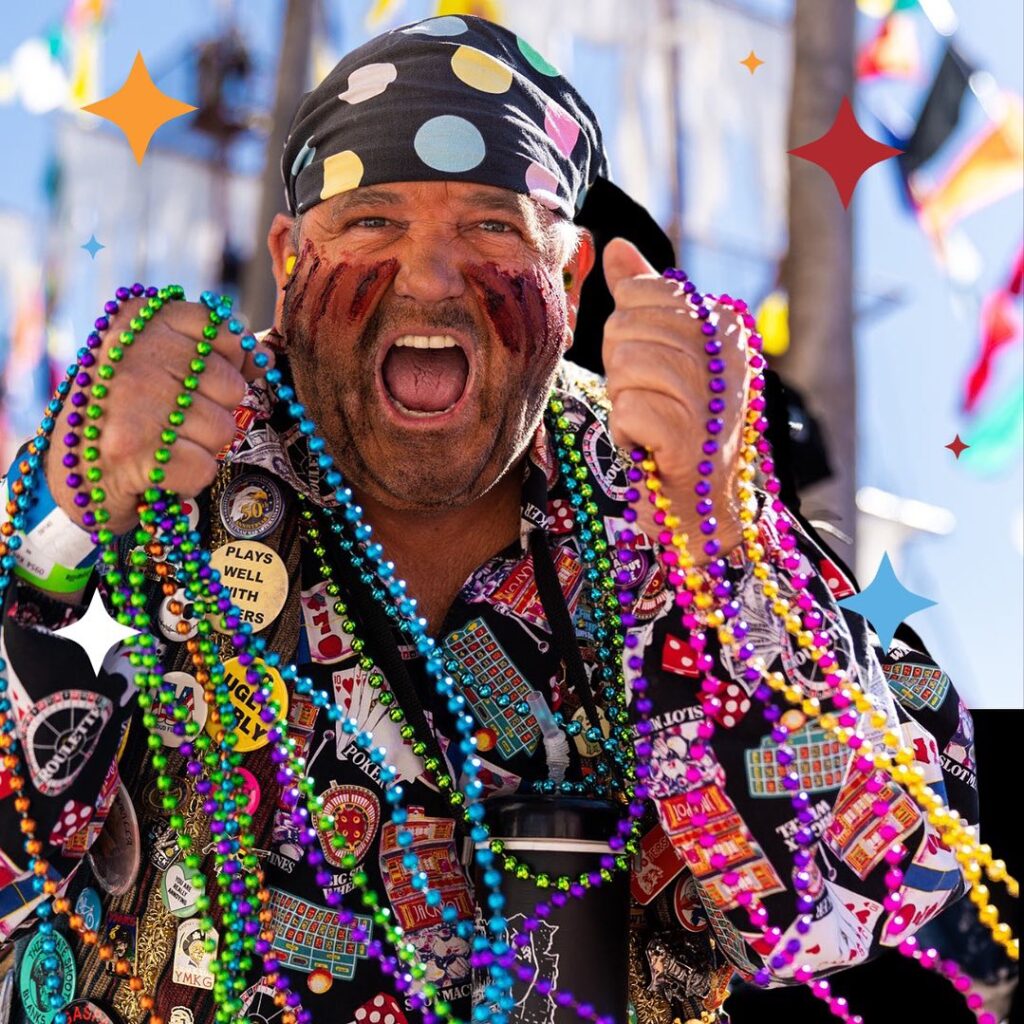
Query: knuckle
{"type": "Point", "coordinates": [222, 428]}
{"type": "Point", "coordinates": [615, 358]}
{"type": "Point", "coordinates": [197, 472]}
{"type": "Point", "coordinates": [627, 406]}
{"type": "Point", "coordinates": [120, 441]}
{"type": "Point", "coordinates": [235, 388]}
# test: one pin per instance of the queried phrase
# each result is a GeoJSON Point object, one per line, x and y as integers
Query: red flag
{"type": "Point", "coordinates": [892, 52]}
{"type": "Point", "coordinates": [1000, 324]}
{"type": "Point", "coordinates": [1016, 285]}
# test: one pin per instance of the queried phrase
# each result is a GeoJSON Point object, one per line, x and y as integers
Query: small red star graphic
{"type": "Point", "coordinates": [139, 108]}
{"type": "Point", "coordinates": [956, 446]}
{"type": "Point", "coordinates": [751, 62]}
{"type": "Point", "coordinates": [845, 152]}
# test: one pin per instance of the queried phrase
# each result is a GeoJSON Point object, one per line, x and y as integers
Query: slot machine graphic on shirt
{"type": "Point", "coordinates": [433, 844]}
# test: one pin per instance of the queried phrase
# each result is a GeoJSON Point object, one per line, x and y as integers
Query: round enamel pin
{"type": "Point", "coordinates": [257, 579]}
{"type": "Point", "coordinates": [85, 1010]}
{"type": "Point", "coordinates": [188, 695]}
{"type": "Point", "coordinates": [89, 908]}
{"type": "Point", "coordinates": [176, 617]}
{"type": "Point", "coordinates": [251, 729]}
{"type": "Point", "coordinates": [251, 506]}
{"type": "Point", "coordinates": [33, 981]}
{"type": "Point", "coordinates": [250, 791]}
{"type": "Point", "coordinates": [180, 889]}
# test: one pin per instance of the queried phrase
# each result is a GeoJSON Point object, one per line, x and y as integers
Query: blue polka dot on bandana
{"type": "Point", "coordinates": [450, 143]}
{"type": "Point", "coordinates": [446, 26]}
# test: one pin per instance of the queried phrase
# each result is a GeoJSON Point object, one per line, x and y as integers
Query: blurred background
{"type": "Point", "coordinates": [897, 321]}
{"type": "Point", "coordinates": [895, 324]}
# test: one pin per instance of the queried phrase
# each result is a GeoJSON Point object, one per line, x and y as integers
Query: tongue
{"type": "Point", "coordinates": [425, 379]}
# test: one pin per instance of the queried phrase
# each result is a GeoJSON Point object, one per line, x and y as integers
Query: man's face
{"type": "Point", "coordinates": [425, 322]}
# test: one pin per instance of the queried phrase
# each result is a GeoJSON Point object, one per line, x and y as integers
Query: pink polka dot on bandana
{"type": "Point", "coordinates": [543, 185]}
{"type": "Point", "coordinates": [561, 128]}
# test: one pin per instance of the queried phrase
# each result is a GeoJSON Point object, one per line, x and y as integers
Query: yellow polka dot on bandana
{"type": "Point", "coordinates": [480, 70]}
{"type": "Point", "coordinates": [342, 172]}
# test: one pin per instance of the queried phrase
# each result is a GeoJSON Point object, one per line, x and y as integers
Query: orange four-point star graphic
{"type": "Point", "coordinates": [139, 108]}
{"type": "Point", "coordinates": [751, 62]}
{"type": "Point", "coordinates": [845, 152]}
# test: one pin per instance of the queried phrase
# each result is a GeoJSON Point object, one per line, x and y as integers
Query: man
{"type": "Point", "coordinates": [429, 280]}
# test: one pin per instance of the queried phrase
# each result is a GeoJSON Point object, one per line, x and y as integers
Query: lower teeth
{"type": "Point", "coordinates": [418, 413]}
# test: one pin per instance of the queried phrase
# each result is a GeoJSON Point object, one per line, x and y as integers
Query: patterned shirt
{"type": "Point", "coordinates": [94, 794]}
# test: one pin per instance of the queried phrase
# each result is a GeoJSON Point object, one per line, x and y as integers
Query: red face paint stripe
{"type": "Point", "coordinates": [327, 291]}
{"type": "Point", "coordinates": [370, 285]}
{"type": "Point", "coordinates": [520, 307]}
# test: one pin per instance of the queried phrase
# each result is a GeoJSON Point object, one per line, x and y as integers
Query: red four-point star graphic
{"type": "Point", "coordinates": [845, 152]}
{"type": "Point", "coordinates": [956, 446]}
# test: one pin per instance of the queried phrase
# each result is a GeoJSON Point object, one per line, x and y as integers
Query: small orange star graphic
{"type": "Point", "coordinates": [957, 447]}
{"type": "Point", "coordinates": [139, 108]}
{"type": "Point", "coordinates": [751, 62]}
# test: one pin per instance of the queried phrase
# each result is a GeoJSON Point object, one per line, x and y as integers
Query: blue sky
{"type": "Point", "coordinates": [912, 358]}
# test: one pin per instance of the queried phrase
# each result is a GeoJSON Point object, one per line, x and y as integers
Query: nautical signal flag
{"type": "Point", "coordinates": [989, 168]}
{"type": "Point", "coordinates": [892, 52]}
{"type": "Point", "coordinates": [940, 113]}
{"type": "Point", "coordinates": [1000, 325]}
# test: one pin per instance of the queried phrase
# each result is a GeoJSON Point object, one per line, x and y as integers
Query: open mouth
{"type": "Point", "coordinates": [425, 374]}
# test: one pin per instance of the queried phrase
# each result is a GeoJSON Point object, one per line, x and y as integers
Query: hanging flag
{"type": "Point", "coordinates": [1015, 286]}
{"type": "Point", "coordinates": [996, 436]}
{"type": "Point", "coordinates": [940, 113]}
{"type": "Point", "coordinates": [1000, 325]}
{"type": "Point", "coordinates": [773, 323]}
{"type": "Point", "coordinates": [489, 9]}
{"type": "Point", "coordinates": [883, 8]}
{"type": "Point", "coordinates": [990, 167]}
{"type": "Point", "coordinates": [381, 10]}
{"type": "Point", "coordinates": [82, 39]}
{"type": "Point", "coordinates": [893, 52]}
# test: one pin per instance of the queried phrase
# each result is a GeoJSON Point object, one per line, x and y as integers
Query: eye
{"type": "Point", "coordinates": [496, 227]}
{"type": "Point", "coordinates": [368, 222]}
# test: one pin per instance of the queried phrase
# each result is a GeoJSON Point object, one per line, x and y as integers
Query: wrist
{"type": "Point", "coordinates": [51, 551]}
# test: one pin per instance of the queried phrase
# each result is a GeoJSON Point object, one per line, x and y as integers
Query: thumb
{"type": "Point", "coordinates": [622, 259]}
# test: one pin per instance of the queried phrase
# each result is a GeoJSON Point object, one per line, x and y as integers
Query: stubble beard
{"type": "Point", "coordinates": [418, 473]}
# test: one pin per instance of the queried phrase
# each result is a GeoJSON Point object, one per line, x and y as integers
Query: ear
{"type": "Point", "coordinates": [279, 242]}
{"type": "Point", "coordinates": [578, 266]}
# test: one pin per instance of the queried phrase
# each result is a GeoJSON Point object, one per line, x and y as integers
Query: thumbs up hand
{"type": "Point", "coordinates": [657, 375]}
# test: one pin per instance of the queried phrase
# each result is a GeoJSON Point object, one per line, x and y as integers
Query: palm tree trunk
{"type": "Point", "coordinates": [818, 270]}
{"type": "Point", "coordinates": [292, 71]}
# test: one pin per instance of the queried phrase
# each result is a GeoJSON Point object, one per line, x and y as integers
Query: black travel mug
{"type": "Point", "coordinates": [580, 947]}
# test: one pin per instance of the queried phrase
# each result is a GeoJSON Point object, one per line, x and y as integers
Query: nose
{"type": "Point", "coordinates": [428, 267]}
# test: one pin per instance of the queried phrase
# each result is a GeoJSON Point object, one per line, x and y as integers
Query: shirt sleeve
{"type": "Point", "coordinates": [814, 853]}
{"type": "Point", "coordinates": [65, 728]}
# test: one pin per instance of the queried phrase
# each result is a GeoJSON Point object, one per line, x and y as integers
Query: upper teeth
{"type": "Point", "coordinates": [426, 341]}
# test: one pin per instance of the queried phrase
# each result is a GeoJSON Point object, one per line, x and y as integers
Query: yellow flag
{"type": "Point", "coordinates": [773, 323]}
{"type": "Point", "coordinates": [990, 168]}
{"type": "Point", "coordinates": [875, 8]}
{"type": "Point", "coordinates": [489, 9]}
{"type": "Point", "coordinates": [381, 9]}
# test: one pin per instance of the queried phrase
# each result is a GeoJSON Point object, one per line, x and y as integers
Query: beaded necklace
{"type": "Point", "coordinates": [697, 591]}
{"type": "Point", "coordinates": [618, 742]}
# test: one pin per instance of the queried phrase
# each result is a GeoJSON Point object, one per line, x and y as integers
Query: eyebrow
{"type": "Point", "coordinates": [506, 202]}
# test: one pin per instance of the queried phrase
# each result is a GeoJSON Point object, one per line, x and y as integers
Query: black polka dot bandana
{"type": "Point", "coordinates": [448, 98]}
